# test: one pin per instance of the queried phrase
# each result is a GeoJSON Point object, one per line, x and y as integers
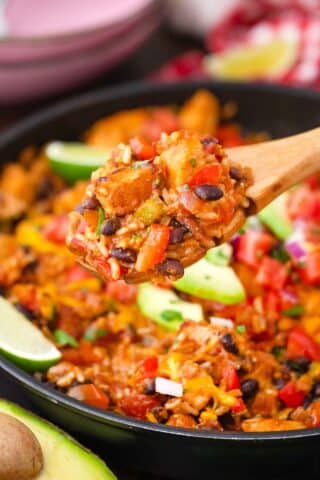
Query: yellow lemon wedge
{"type": "Point", "coordinates": [270, 60]}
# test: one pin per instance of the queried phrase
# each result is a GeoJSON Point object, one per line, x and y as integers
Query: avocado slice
{"type": "Point", "coordinates": [211, 282]}
{"type": "Point", "coordinates": [63, 457]}
{"type": "Point", "coordinates": [165, 307]}
{"type": "Point", "coordinates": [275, 217]}
{"type": "Point", "coordinates": [220, 255]}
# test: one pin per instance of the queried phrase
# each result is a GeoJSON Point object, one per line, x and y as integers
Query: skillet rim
{"type": "Point", "coordinates": [106, 417]}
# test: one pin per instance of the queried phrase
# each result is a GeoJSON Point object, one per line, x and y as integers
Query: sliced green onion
{"type": "Point", "coordinates": [63, 338]}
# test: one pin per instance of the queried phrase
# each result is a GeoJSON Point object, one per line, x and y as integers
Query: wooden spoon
{"type": "Point", "coordinates": [276, 166]}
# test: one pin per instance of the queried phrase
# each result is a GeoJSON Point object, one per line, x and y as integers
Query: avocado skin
{"type": "Point", "coordinates": [64, 458]}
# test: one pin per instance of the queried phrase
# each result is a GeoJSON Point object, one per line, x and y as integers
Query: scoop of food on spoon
{"type": "Point", "coordinates": [152, 210]}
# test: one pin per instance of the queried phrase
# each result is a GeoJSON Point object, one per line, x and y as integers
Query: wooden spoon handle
{"type": "Point", "coordinates": [279, 164]}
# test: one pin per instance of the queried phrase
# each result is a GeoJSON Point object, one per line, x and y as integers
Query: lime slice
{"type": "Point", "coordinates": [22, 342]}
{"type": "Point", "coordinates": [245, 62]}
{"type": "Point", "coordinates": [75, 161]}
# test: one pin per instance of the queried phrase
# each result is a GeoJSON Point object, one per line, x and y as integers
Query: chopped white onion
{"type": "Point", "coordinates": [168, 387]}
{"type": "Point", "coordinates": [221, 322]}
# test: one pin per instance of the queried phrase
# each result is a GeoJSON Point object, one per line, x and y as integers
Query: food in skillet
{"type": "Point", "coordinates": [153, 209]}
{"type": "Point", "coordinates": [232, 345]}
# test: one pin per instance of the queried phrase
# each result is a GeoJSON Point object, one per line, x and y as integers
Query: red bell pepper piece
{"type": "Point", "coordinates": [154, 247]}
{"type": "Point", "coordinates": [291, 396]}
{"type": "Point", "coordinates": [301, 344]}
{"type": "Point", "coordinates": [149, 367]}
{"type": "Point", "coordinates": [252, 246]}
{"type": "Point", "coordinates": [310, 272]}
{"type": "Point", "coordinates": [137, 404]}
{"type": "Point", "coordinates": [141, 148]}
{"type": "Point", "coordinates": [56, 230]}
{"type": "Point", "coordinates": [90, 394]}
{"type": "Point", "coordinates": [239, 406]}
{"type": "Point", "coordinates": [230, 377]}
{"type": "Point", "coordinates": [272, 274]}
{"type": "Point", "coordinates": [207, 175]}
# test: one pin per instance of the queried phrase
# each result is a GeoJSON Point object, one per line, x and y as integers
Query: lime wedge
{"type": "Point", "coordinates": [271, 59]}
{"type": "Point", "coordinates": [75, 161]}
{"type": "Point", "coordinates": [22, 342]}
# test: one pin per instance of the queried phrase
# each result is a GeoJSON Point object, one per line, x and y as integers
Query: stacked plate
{"type": "Point", "coordinates": [50, 46]}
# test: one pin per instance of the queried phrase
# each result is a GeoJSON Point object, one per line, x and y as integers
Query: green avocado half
{"type": "Point", "coordinates": [64, 458]}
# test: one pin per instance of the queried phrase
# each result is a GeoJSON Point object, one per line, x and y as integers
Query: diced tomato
{"type": "Point", "coordinates": [137, 404]}
{"type": "Point", "coordinates": [304, 203]}
{"type": "Point", "coordinates": [141, 148]}
{"type": "Point", "coordinates": [291, 396]}
{"type": "Point", "coordinates": [56, 230]}
{"type": "Point", "coordinates": [239, 406]}
{"type": "Point", "coordinates": [77, 272]}
{"type": "Point", "coordinates": [301, 344]}
{"type": "Point", "coordinates": [90, 394]}
{"type": "Point", "coordinates": [149, 367]}
{"type": "Point", "coordinates": [207, 175]}
{"type": "Point", "coordinates": [310, 272]}
{"type": "Point", "coordinates": [230, 136]}
{"type": "Point", "coordinates": [252, 246]}
{"type": "Point", "coordinates": [272, 303]}
{"type": "Point", "coordinates": [153, 249]}
{"type": "Point", "coordinates": [84, 354]}
{"type": "Point", "coordinates": [272, 274]}
{"type": "Point", "coordinates": [230, 377]}
{"type": "Point", "coordinates": [122, 291]}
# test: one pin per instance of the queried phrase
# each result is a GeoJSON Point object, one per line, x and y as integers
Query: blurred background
{"type": "Point", "coordinates": [51, 50]}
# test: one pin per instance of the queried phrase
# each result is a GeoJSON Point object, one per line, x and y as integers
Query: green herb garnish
{"type": "Point", "coordinates": [171, 316]}
{"type": "Point", "coordinates": [280, 253]}
{"type": "Point", "coordinates": [92, 334]}
{"type": "Point", "coordinates": [185, 186]}
{"type": "Point", "coordinates": [101, 219]}
{"type": "Point", "coordinates": [294, 311]}
{"type": "Point", "coordinates": [277, 352]}
{"type": "Point", "coordinates": [63, 338]}
{"type": "Point", "coordinates": [241, 328]}
{"type": "Point", "coordinates": [193, 162]}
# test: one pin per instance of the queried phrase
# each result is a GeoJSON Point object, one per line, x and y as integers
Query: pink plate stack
{"type": "Point", "coordinates": [47, 47]}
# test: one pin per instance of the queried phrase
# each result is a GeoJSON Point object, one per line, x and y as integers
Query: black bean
{"type": "Point", "coordinates": [227, 421]}
{"type": "Point", "coordinates": [45, 188]}
{"type": "Point", "coordinates": [279, 383]}
{"type": "Point", "coordinates": [90, 203]}
{"type": "Point", "coordinates": [249, 387]}
{"type": "Point", "coordinates": [150, 386]}
{"type": "Point", "coordinates": [25, 311]}
{"type": "Point", "coordinates": [316, 390]}
{"type": "Point", "coordinates": [235, 174]}
{"type": "Point", "coordinates": [299, 364]}
{"type": "Point", "coordinates": [175, 223]}
{"type": "Point", "coordinates": [110, 226]}
{"type": "Point", "coordinates": [126, 255]}
{"type": "Point", "coordinates": [307, 401]}
{"type": "Point", "coordinates": [229, 343]}
{"type": "Point", "coordinates": [176, 235]}
{"type": "Point", "coordinates": [171, 268]}
{"type": "Point", "coordinates": [208, 192]}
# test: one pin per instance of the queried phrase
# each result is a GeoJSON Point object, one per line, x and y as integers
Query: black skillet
{"type": "Point", "coordinates": [142, 446]}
